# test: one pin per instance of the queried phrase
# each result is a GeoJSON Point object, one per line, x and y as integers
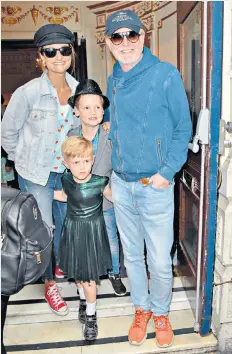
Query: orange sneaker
{"type": "Point", "coordinates": [164, 334]}
{"type": "Point", "coordinates": [138, 330]}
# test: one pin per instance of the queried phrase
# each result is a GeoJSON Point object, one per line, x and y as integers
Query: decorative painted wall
{"type": "Point", "coordinates": [26, 17]}
{"type": "Point", "coordinates": [56, 14]}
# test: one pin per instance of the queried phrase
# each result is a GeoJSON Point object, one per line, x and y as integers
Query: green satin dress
{"type": "Point", "coordinates": [84, 252]}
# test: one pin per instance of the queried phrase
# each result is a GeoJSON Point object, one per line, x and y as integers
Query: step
{"type": "Point", "coordinates": [66, 337]}
{"type": "Point", "coordinates": [29, 306]}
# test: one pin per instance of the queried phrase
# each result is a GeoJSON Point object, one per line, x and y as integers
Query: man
{"type": "Point", "coordinates": [150, 129]}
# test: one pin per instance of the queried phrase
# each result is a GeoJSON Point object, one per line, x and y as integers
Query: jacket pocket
{"type": "Point", "coordinates": [36, 119]}
{"type": "Point", "coordinates": [159, 151]}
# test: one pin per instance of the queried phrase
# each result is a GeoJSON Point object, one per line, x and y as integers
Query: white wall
{"type": "Point", "coordinates": [93, 56]}
{"type": "Point", "coordinates": [166, 29]}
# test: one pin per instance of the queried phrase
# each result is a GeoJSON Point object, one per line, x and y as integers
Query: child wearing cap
{"type": "Point", "coordinates": [84, 246]}
{"type": "Point", "coordinates": [88, 103]}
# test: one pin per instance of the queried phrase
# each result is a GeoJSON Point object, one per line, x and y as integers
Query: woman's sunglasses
{"type": "Point", "coordinates": [51, 52]}
{"type": "Point", "coordinates": [117, 38]}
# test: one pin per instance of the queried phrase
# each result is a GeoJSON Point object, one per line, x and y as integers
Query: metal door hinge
{"type": "Point", "coordinates": [202, 131]}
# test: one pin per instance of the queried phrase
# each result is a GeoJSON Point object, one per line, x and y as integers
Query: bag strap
{"type": "Point", "coordinates": [7, 194]}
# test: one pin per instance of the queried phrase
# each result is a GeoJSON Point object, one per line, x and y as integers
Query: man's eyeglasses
{"type": "Point", "coordinates": [117, 38]}
{"type": "Point", "coordinates": [51, 52]}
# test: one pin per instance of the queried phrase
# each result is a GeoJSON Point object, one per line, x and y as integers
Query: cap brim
{"type": "Point", "coordinates": [132, 27]}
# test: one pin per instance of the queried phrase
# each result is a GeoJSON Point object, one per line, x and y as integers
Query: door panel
{"type": "Point", "coordinates": [190, 35]}
{"type": "Point", "coordinates": [190, 52]}
{"type": "Point", "coordinates": [190, 68]}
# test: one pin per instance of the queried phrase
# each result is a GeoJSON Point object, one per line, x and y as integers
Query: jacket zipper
{"type": "Point", "coordinates": [159, 152]}
{"type": "Point", "coordinates": [120, 159]}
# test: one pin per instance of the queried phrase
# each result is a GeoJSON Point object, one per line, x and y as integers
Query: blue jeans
{"type": "Point", "coordinates": [50, 209]}
{"type": "Point", "coordinates": [146, 214]}
{"type": "Point", "coordinates": [111, 229]}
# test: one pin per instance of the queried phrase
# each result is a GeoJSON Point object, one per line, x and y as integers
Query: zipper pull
{"type": "Point", "coordinates": [37, 254]}
{"type": "Point", "coordinates": [114, 90]}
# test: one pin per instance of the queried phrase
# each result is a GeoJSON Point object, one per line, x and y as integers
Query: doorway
{"type": "Point", "coordinates": [18, 64]}
{"type": "Point", "coordinates": [200, 64]}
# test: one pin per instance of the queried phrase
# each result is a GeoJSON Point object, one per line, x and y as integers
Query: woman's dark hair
{"type": "Point", "coordinates": [2, 99]}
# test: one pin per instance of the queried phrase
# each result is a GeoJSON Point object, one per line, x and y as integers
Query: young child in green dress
{"type": "Point", "coordinates": [84, 246]}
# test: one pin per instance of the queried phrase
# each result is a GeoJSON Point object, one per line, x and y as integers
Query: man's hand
{"type": "Point", "coordinates": [159, 182]}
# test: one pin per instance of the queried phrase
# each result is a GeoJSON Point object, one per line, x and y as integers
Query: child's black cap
{"type": "Point", "coordinates": [88, 87]}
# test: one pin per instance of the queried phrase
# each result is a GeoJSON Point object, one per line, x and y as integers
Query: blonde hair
{"type": "Point", "coordinates": [76, 146]}
{"type": "Point", "coordinates": [40, 64]}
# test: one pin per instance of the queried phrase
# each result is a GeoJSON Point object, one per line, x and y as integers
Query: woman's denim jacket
{"type": "Point", "coordinates": [29, 128]}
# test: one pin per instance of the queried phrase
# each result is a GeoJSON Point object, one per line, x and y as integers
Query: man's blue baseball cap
{"type": "Point", "coordinates": [122, 18]}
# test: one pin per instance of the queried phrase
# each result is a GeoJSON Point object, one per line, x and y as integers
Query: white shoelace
{"type": "Point", "coordinates": [54, 292]}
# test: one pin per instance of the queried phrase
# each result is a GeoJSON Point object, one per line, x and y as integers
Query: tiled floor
{"type": "Point", "coordinates": [31, 328]}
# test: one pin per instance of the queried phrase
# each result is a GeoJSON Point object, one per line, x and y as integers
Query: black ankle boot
{"type": "Point", "coordinates": [82, 311]}
{"type": "Point", "coordinates": [91, 328]}
{"type": "Point", "coordinates": [118, 286]}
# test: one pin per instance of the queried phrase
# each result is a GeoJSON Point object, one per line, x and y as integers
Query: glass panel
{"type": "Point", "coordinates": [191, 75]}
{"type": "Point", "coordinates": [191, 60]}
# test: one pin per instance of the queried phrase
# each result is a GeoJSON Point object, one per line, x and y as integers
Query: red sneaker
{"type": "Point", "coordinates": [58, 273]}
{"type": "Point", "coordinates": [55, 300]}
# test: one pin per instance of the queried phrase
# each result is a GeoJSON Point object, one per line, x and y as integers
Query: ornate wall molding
{"type": "Point", "coordinates": [103, 51]}
{"type": "Point", "coordinates": [12, 14]}
{"type": "Point", "coordinates": [148, 23]}
{"type": "Point", "coordinates": [101, 21]}
{"type": "Point", "coordinates": [9, 15]}
{"type": "Point", "coordinates": [57, 12]}
{"type": "Point", "coordinates": [100, 37]}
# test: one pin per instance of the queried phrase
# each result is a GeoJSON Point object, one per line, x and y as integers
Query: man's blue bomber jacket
{"type": "Point", "coordinates": [150, 119]}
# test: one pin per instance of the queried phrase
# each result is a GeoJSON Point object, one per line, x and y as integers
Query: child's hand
{"type": "Point", "coordinates": [106, 126]}
{"type": "Point", "coordinates": [107, 193]}
{"type": "Point", "coordinates": [60, 196]}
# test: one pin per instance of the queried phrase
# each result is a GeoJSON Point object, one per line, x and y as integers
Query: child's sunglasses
{"type": "Point", "coordinates": [51, 52]}
{"type": "Point", "coordinates": [117, 38]}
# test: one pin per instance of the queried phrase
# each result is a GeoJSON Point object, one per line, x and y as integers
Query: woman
{"type": "Point", "coordinates": [34, 127]}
